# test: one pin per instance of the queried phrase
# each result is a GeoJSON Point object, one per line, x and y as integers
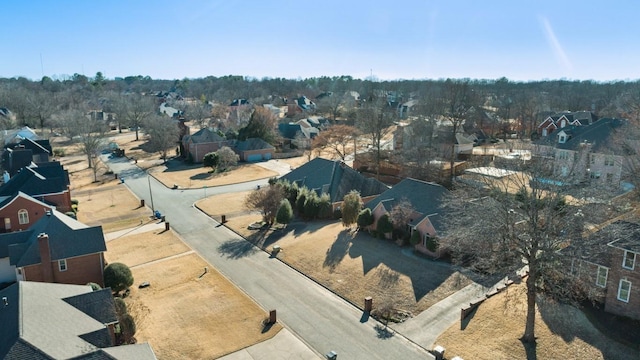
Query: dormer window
{"type": "Point", "coordinates": [562, 138]}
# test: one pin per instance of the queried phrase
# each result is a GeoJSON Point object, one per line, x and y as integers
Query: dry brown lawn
{"type": "Point", "coordinates": [563, 332]}
{"type": "Point", "coordinates": [111, 205]}
{"type": "Point", "coordinates": [198, 176]}
{"type": "Point", "coordinates": [354, 265]}
{"type": "Point", "coordinates": [182, 315]}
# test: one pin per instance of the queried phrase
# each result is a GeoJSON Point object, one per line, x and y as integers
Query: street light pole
{"type": "Point", "coordinates": [153, 209]}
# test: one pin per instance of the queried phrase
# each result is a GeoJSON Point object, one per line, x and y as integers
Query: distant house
{"type": "Point", "coordinates": [253, 149]}
{"type": "Point", "coordinates": [302, 132]}
{"type": "Point", "coordinates": [56, 249]}
{"type": "Point", "coordinates": [47, 182]}
{"type": "Point", "coordinates": [334, 178]}
{"type": "Point", "coordinates": [169, 111]}
{"type": "Point", "coordinates": [611, 267]}
{"type": "Point", "coordinates": [17, 135]}
{"type": "Point", "coordinates": [558, 121]}
{"type": "Point", "coordinates": [203, 142]}
{"type": "Point", "coordinates": [425, 198]}
{"type": "Point", "coordinates": [299, 105]}
{"type": "Point", "coordinates": [18, 155]}
{"type": "Point", "coordinates": [20, 211]}
{"type": "Point", "coordinates": [584, 152]}
{"type": "Point", "coordinates": [277, 111]}
{"type": "Point", "coordinates": [59, 321]}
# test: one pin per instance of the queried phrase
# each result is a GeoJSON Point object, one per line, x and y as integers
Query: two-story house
{"type": "Point", "coordinates": [610, 267]}
{"type": "Point", "coordinates": [56, 249]}
{"type": "Point", "coordinates": [561, 120]}
{"type": "Point", "coordinates": [20, 211]}
{"type": "Point", "coordinates": [584, 153]}
{"type": "Point", "coordinates": [47, 182]}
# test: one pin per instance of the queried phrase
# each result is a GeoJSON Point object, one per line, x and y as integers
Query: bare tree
{"type": "Point", "coordinates": [458, 102]}
{"type": "Point", "coordinates": [92, 138]}
{"type": "Point", "coordinates": [336, 138]}
{"type": "Point", "coordinates": [198, 112]}
{"type": "Point", "coordinates": [162, 134]}
{"type": "Point", "coordinates": [267, 200]}
{"type": "Point", "coordinates": [133, 110]}
{"type": "Point", "coordinates": [374, 120]}
{"type": "Point", "coordinates": [227, 157]}
{"type": "Point", "coordinates": [508, 225]}
{"type": "Point", "coordinates": [401, 214]}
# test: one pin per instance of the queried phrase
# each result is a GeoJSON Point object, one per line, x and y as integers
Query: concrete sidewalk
{"type": "Point", "coordinates": [425, 328]}
{"type": "Point", "coordinates": [148, 226]}
{"type": "Point", "coordinates": [284, 345]}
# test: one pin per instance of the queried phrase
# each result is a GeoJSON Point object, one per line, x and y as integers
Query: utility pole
{"type": "Point", "coordinates": [153, 209]}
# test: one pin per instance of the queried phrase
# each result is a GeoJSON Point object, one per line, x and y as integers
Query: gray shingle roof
{"type": "Point", "coordinates": [425, 197]}
{"type": "Point", "coordinates": [627, 236]}
{"type": "Point", "coordinates": [205, 136]}
{"type": "Point", "coordinates": [42, 179]}
{"type": "Point", "coordinates": [253, 144]}
{"type": "Point", "coordinates": [67, 238]}
{"type": "Point", "coordinates": [597, 134]}
{"type": "Point", "coordinates": [37, 323]}
{"type": "Point", "coordinates": [334, 178]}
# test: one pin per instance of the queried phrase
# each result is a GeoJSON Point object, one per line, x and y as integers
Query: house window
{"type": "Point", "coordinates": [629, 260]}
{"type": "Point", "coordinates": [593, 159]}
{"type": "Point", "coordinates": [562, 139]}
{"type": "Point", "coordinates": [7, 223]}
{"type": "Point", "coordinates": [601, 279]}
{"type": "Point", "coordinates": [608, 161]}
{"type": "Point", "coordinates": [624, 290]}
{"type": "Point", "coordinates": [23, 216]}
{"type": "Point", "coordinates": [563, 155]}
{"type": "Point", "coordinates": [62, 265]}
{"type": "Point", "coordinates": [595, 175]}
{"type": "Point", "coordinates": [609, 177]}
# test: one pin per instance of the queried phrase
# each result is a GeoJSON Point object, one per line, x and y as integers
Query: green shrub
{"type": "Point", "coordinates": [118, 277]}
{"type": "Point", "coordinates": [74, 202]}
{"type": "Point", "coordinates": [384, 225]}
{"type": "Point", "coordinates": [94, 286]}
{"type": "Point", "coordinates": [432, 244]}
{"type": "Point", "coordinates": [59, 152]}
{"type": "Point", "coordinates": [71, 214]}
{"type": "Point", "coordinates": [415, 238]}
{"type": "Point", "coordinates": [365, 218]}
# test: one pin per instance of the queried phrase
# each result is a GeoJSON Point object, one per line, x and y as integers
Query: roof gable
{"type": "Point", "coordinates": [67, 238]}
{"type": "Point", "coordinates": [425, 197]}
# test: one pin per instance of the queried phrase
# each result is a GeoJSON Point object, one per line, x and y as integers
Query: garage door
{"type": "Point", "coordinates": [267, 156]}
{"type": "Point", "coordinates": [254, 157]}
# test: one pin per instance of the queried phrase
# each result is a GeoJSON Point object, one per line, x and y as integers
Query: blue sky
{"type": "Point", "coordinates": [399, 39]}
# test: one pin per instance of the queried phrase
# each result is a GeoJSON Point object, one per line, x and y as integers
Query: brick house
{"type": "Point", "coordinates": [254, 150]}
{"type": "Point", "coordinates": [56, 249]}
{"type": "Point", "coordinates": [584, 153]}
{"type": "Point", "coordinates": [611, 268]}
{"type": "Point", "coordinates": [19, 212]}
{"type": "Point", "coordinates": [47, 182]}
{"type": "Point", "coordinates": [558, 121]}
{"type": "Point", "coordinates": [60, 321]}
{"type": "Point", "coordinates": [203, 142]}
{"type": "Point", "coordinates": [426, 200]}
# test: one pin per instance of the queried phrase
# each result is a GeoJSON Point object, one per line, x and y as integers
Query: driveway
{"type": "Point", "coordinates": [323, 320]}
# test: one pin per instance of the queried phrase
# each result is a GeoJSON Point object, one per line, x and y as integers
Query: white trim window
{"type": "Point", "coordinates": [62, 265]}
{"type": "Point", "coordinates": [629, 261]}
{"type": "Point", "coordinates": [624, 290]}
{"type": "Point", "coordinates": [601, 277]}
{"type": "Point", "coordinates": [23, 216]}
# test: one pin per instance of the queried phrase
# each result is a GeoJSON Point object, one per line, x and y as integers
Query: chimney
{"type": "Point", "coordinates": [45, 258]}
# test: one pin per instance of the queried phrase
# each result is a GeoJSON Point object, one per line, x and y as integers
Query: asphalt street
{"type": "Point", "coordinates": [320, 318]}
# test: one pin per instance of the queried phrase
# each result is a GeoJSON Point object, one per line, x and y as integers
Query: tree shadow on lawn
{"type": "Point", "coordinates": [338, 250]}
{"type": "Point", "coordinates": [426, 275]}
{"type": "Point", "coordinates": [614, 341]}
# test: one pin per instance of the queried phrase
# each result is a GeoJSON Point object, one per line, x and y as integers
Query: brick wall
{"type": "Point", "coordinates": [612, 304]}
{"type": "Point", "coordinates": [80, 271]}
{"type": "Point", "coordinates": [34, 210]}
